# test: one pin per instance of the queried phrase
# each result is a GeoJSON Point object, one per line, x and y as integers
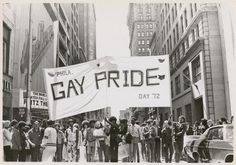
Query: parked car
{"type": "Point", "coordinates": [215, 145]}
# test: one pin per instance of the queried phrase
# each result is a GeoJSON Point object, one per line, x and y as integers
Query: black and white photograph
{"type": "Point", "coordinates": [110, 81]}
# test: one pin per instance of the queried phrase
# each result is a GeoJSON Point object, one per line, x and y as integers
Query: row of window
{"type": "Point", "coordinates": [180, 51]}
{"type": "Point", "coordinates": [148, 8]}
{"type": "Point", "coordinates": [145, 26]}
{"type": "Point", "coordinates": [196, 76]}
{"type": "Point", "coordinates": [183, 20]}
{"type": "Point", "coordinates": [142, 34]}
{"type": "Point", "coordinates": [142, 42]}
{"type": "Point", "coordinates": [6, 85]}
{"type": "Point", "coordinates": [143, 50]}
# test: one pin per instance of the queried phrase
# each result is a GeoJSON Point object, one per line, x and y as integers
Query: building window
{"type": "Point", "coordinates": [167, 27]}
{"type": "Point", "coordinates": [168, 46]}
{"type": "Point", "coordinates": [170, 43]}
{"type": "Point", "coordinates": [188, 113]}
{"type": "Point", "coordinates": [139, 42]}
{"type": "Point", "coordinates": [164, 30]}
{"type": "Point", "coordinates": [186, 78]}
{"type": "Point", "coordinates": [6, 48]}
{"type": "Point", "coordinates": [191, 9]}
{"type": "Point", "coordinates": [148, 17]}
{"type": "Point", "coordinates": [175, 10]}
{"type": "Point", "coordinates": [182, 24]}
{"type": "Point", "coordinates": [177, 32]}
{"type": "Point", "coordinates": [193, 36]}
{"type": "Point", "coordinates": [173, 14]}
{"type": "Point", "coordinates": [177, 85]}
{"type": "Point", "coordinates": [150, 26]}
{"type": "Point", "coordinates": [142, 34]}
{"type": "Point", "coordinates": [197, 31]}
{"type": "Point", "coordinates": [146, 26]}
{"type": "Point", "coordinates": [138, 34]}
{"type": "Point", "coordinates": [148, 42]}
{"type": "Point", "coordinates": [147, 34]}
{"type": "Point", "coordinates": [177, 56]}
{"type": "Point", "coordinates": [185, 18]}
{"type": "Point", "coordinates": [143, 49]}
{"type": "Point", "coordinates": [183, 48]}
{"type": "Point", "coordinates": [151, 33]}
{"type": "Point", "coordinates": [196, 70]}
{"type": "Point", "coordinates": [169, 22]}
{"type": "Point", "coordinates": [195, 7]}
{"type": "Point", "coordinates": [142, 26]}
{"type": "Point", "coordinates": [179, 112]}
{"type": "Point", "coordinates": [138, 26]}
{"type": "Point", "coordinates": [143, 42]}
{"type": "Point", "coordinates": [139, 50]}
{"type": "Point", "coordinates": [187, 43]}
{"type": "Point", "coordinates": [174, 36]}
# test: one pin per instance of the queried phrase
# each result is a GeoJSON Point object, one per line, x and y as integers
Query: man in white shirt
{"type": "Point", "coordinates": [49, 142]}
{"type": "Point", "coordinates": [135, 131]}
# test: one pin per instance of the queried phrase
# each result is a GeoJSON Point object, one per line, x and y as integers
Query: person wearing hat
{"type": "Point", "coordinates": [35, 137]}
{"type": "Point", "coordinates": [6, 140]}
{"type": "Point", "coordinates": [90, 141]}
{"type": "Point", "coordinates": [135, 131]}
{"type": "Point", "coordinates": [71, 140]}
{"type": "Point", "coordinates": [15, 141]}
{"type": "Point", "coordinates": [49, 142]}
{"type": "Point", "coordinates": [83, 147]}
{"type": "Point", "coordinates": [114, 138]}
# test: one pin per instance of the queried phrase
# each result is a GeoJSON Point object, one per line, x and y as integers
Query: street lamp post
{"type": "Point", "coordinates": [28, 90]}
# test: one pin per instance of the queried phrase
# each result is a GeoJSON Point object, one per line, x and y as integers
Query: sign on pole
{"type": "Point", "coordinates": [109, 81]}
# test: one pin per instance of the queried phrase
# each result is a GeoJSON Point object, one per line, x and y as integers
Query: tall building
{"type": "Point", "coordinates": [190, 33]}
{"type": "Point", "coordinates": [56, 43]}
{"type": "Point", "coordinates": [8, 54]}
{"type": "Point", "coordinates": [142, 24]}
{"type": "Point", "coordinates": [87, 30]}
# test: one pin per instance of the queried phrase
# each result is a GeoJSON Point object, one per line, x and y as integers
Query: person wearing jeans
{"type": "Point", "coordinates": [135, 131]}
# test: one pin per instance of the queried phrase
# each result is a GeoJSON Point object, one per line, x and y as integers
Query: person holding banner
{"type": "Point", "coordinates": [114, 138]}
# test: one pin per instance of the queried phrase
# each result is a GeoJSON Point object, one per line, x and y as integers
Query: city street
{"type": "Point", "coordinates": [118, 82]}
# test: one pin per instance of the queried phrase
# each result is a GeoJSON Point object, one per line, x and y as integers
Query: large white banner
{"type": "Point", "coordinates": [109, 81]}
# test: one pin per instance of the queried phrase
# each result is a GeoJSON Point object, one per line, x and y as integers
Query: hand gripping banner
{"type": "Point", "coordinates": [109, 81]}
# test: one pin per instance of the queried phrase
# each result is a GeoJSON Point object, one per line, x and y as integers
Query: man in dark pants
{"type": "Point", "coordinates": [157, 142]}
{"type": "Point", "coordinates": [179, 131]}
{"type": "Point", "coordinates": [114, 131]}
{"type": "Point", "coordinates": [35, 137]}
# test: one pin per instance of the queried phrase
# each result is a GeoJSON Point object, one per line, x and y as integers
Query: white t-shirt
{"type": "Point", "coordinates": [98, 132]}
{"type": "Point", "coordinates": [50, 136]}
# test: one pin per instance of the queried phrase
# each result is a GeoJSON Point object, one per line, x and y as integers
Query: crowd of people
{"type": "Point", "coordinates": [98, 141]}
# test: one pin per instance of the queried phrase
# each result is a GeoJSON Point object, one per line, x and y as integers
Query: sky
{"type": "Point", "coordinates": [112, 30]}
